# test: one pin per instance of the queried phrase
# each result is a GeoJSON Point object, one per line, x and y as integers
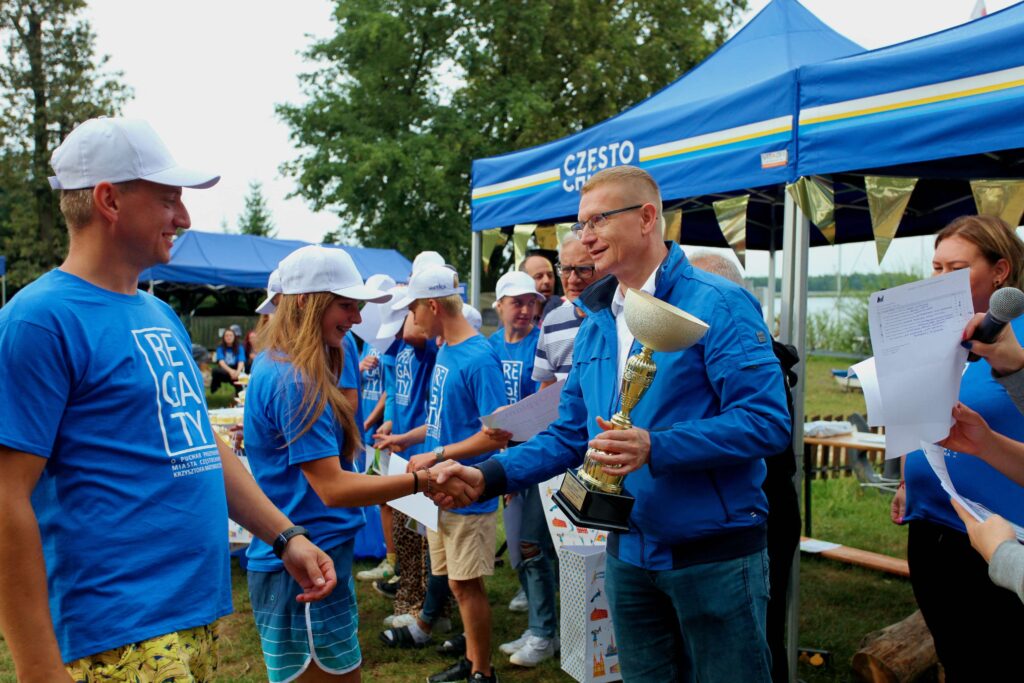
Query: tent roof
{"type": "Point", "coordinates": [949, 94]}
{"type": "Point", "coordinates": [245, 261]}
{"type": "Point", "coordinates": [707, 131]}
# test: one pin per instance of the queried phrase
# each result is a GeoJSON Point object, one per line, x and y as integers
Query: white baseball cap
{"type": "Point", "coordinates": [472, 316]}
{"type": "Point", "coordinates": [380, 281]}
{"type": "Point", "coordinates": [515, 283]}
{"type": "Point", "coordinates": [273, 289]}
{"type": "Point", "coordinates": [319, 269]}
{"type": "Point", "coordinates": [391, 319]}
{"type": "Point", "coordinates": [117, 150]}
{"type": "Point", "coordinates": [425, 259]}
{"type": "Point", "coordinates": [430, 283]}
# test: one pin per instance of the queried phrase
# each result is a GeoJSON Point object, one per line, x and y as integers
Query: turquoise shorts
{"type": "Point", "coordinates": [294, 634]}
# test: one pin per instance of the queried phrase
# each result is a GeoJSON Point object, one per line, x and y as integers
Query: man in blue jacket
{"type": "Point", "coordinates": [688, 584]}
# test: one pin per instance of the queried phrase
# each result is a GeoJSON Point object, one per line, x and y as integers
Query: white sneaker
{"type": "Point", "coordinates": [403, 620]}
{"type": "Point", "coordinates": [535, 651]}
{"type": "Point", "coordinates": [519, 603]}
{"type": "Point", "coordinates": [512, 647]}
{"type": "Point", "coordinates": [384, 570]}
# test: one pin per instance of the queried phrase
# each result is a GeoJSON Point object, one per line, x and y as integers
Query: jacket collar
{"type": "Point", "coordinates": [598, 296]}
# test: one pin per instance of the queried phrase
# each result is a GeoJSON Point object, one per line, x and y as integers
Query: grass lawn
{"type": "Point", "coordinates": [839, 604]}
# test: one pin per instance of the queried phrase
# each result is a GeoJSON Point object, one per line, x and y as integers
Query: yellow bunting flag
{"type": "Point", "coordinates": [488, 241]}
{"type": "Point", "coordinates": [520, 238]}
{"type": "Point", "coordinates": [546, 237]}
{"type": "Point", "coordinates": [887, 200]}
{"type": "Point", "coordinates": [1003, 198]}
{"type": "Point", "coordinates": [673, 225]}
{"type": "Point", "coordinates": [817, 199]}
{"type": "Point", "coordinates": [561, 230]}
{"type": "Point", "coordinates": [732, 219]}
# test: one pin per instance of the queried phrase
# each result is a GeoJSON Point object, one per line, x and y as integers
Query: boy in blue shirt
{"type": "Point", "coordinates": [466, 384]}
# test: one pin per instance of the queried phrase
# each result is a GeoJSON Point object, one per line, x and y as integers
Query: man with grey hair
{"type": "Point", "coordinates": [719, 265]}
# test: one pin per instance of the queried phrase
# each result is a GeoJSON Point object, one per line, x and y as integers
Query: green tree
{"type": "Point", "coordinates": [255, 219]}
{"type": "Point", "coordinates": [50, 81]}
{"type": "Point", "coordinates": [407, 93]}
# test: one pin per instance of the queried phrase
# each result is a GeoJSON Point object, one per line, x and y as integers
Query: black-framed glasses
{"type": "Point", "coordinates": [599, 220]}
{"type": "Point", "coordinates": [582, 272]}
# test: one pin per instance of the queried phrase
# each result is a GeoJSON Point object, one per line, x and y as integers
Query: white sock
{"type": "Point", "coordinates": [418, 634]}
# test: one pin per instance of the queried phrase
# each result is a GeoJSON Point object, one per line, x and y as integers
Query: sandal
{"type": "Point", "coordinates": [401, 637]}
{"type": "Point", "coordinates": [455, 646]}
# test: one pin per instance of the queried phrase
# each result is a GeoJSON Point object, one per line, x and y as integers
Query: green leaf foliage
{"type": "Point", "coordinates": [406, 94]}
{"type": "Point", "coordinates": [50, 81]}
{"type": "Point", "coordinates": [255, 218]}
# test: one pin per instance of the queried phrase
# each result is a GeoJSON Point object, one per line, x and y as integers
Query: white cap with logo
{"type": "Point", "coordinates": [273, 289]}
{"type": "Point", "coordinates": [515, 283]}
{"type": "Point", "coordinates": [117, 150]}
{"type": "Point", "coordinates": [425, 259]}
{"type": "Point", "coordinates": [430, 283]}
{"type": "Point", "coordinates": [320, 269]}
{"type": "Point", "coordinates": [472, 316]}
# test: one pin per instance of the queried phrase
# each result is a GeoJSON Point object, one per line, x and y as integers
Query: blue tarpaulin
{"type": "Point", "coordinates": [3, 265]}
{"type": "Point", "coordinates": [245, 261]}
{"type": "Point", "coordinates": [725, 125]}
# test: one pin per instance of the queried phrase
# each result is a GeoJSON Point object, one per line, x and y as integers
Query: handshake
{"type": "Point", "coordinates": [452, 485]}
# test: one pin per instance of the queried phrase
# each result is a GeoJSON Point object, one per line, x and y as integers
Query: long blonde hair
{"type": "Point", "coordinates": [294, 335]}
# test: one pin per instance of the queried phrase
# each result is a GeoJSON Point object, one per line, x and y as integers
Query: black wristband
{"type": "Point", "coordinates": [288, 534]}
{"type": "Point", "coordinates": [415, 484]}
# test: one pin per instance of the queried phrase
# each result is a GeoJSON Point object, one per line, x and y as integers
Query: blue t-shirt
{"type": "Point", "coordinates": [273, 417]}
{"type": "Point", "coordinates": [517, 363]}
{"type": "Point", "coordinates": [972, 477]}
{"type": "Point", "coordinates": [466, 384]}
{"type": "Point", "coordinates": [350, 378]}
{"type": "Point", "coordinates": [412, 377]}
{"type": "Point", "coordinates": [131, 503]}
{"type": "Point", "coordinates": [373, 384]}
{"type": "Point", "coordinates": [388, 373]}
{"type": "Point", "coordinates": [229, 356]}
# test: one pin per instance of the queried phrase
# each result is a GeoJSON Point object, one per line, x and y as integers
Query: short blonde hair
{"type": "Point", "coordinates": [994, 239]}
{"type": "Point", "coordinates": [76, 205]}
{"type": "Point", "coordinates": [632, 175]}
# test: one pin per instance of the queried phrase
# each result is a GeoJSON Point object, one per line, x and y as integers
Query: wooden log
{"type": "Point", "coordinates": [898, 653]}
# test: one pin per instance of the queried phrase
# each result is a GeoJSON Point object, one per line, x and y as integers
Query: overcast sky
{"type": "Point", "coordinates": [207, 75]}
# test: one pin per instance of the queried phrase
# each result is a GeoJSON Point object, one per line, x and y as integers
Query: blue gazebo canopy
{"type": "Point", "coordinates": [245, 261]}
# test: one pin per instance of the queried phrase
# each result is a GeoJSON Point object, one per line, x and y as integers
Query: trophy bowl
{"type": "Point", "coordinates": [660, 326]}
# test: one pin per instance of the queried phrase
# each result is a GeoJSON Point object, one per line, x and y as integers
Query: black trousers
{"type": "Point", "coordinates": [220, 376]}
{"type": "Point", "coordinates": [783, 539]}
{"type": "Point", "coordinates": [975, 623]}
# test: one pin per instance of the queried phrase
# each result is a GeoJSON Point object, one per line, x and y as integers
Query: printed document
{"type": "Point", "coordinates": [528, 417]}
{"type": "Point", "coordinates": [915, 333]}
{"type": "Point", "coordinates": [417, 506]}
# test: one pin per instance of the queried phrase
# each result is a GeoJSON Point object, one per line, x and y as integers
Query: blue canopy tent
{"type": "Point", "coordinates": [725, 125]}
{"type": "Point", "coordinates": [245, 261]}
{"type": "Point", "coordinates": [945, 108]}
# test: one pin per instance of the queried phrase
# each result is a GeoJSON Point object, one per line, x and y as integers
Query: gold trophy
{"type": "Point", "coordinates": [589, 496]}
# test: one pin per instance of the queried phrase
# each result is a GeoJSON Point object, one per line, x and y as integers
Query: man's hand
{"type": "Point", "coordinates": [499, 435]}
{"type": "Point", "coordinates": [368, 363]}
{"type": "Point", "coordinates": [970, 433]}
{"type": "Point", "coordinates": [383, 430]}
{"type": "Point", "coordinates": [455, 485]}
{"type": "Point", "coordinates": [624, 450]}
{"type": "Point", "coordinates": [421, 462]}
{"type": "Point", "coordinates": [395, 443]}
{"type": "Point", "coordinates": [311, 567]}
{"type": "Point", "coordinates": [988, 535]}
{"type": "Point", "coordinates": [1005, 354]}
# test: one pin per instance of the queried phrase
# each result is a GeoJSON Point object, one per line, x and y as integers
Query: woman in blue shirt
{"type": "Point", "coordinates": [301, 436]}
{"type": "Point", "coordinates": [950, 581]}
{"type": "Point", "coordinates": [230, 361]}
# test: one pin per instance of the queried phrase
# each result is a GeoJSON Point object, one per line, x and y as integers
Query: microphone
{"type": "Point", "coordinates": [1005, 305]}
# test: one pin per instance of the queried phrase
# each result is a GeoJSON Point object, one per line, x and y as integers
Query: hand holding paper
{"type": "Point", "coordinates": [530, 416]}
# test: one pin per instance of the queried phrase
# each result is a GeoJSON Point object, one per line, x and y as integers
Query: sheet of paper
{"type": "Point", "coordinates": [813, 545]}
{"type": "Point", "coordinates": [937, 459]}
{"type": "Point", "coordinates": [417, 506]}
{"type": "Point", "coordinates": [915, 334]}
{"type": "Point", "coordinates": [528, 417]}
{"type": "Point", "coordinates": [868, 376]}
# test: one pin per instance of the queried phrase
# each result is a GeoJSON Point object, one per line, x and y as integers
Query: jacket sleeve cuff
{"type": "Point", "coordinates": [495, 481]}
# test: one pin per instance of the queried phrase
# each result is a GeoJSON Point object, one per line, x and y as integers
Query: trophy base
{"type": "Point", "coordinates": [593, 509]}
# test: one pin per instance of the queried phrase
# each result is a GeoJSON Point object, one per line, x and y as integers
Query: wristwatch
{"type": "Point", "coordinates": [288, 534]}
{"type": "Point", "coordinates": [438, 454]}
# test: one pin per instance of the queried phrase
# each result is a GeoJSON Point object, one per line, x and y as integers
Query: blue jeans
{"type": "Point", "coordinates": [702, 623]}
{"type": "Point", "coordinates": [437, 596]}
{"type": "Point", "coordinates": [537, 573]}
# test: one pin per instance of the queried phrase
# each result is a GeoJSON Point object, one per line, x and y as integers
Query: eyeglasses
{"type": "Point", "coordinates": [598, 221]}
{"type": "Point", "coordinates": [582, 272]}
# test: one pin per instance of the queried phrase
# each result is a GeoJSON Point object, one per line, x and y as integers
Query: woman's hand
{"type": "Point", "coordinates": [1005, 354]}
{"type": "Point", "coordinates": [899, 505]}
{"type": "Point", "coordinates": [970, 433]}
{"type": "Point", "coordinates": [368, 363]}
{"type": "Point", "coordinates": [988, 535]}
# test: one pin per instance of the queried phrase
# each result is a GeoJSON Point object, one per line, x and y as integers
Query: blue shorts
{"type": "Point", "coordinates": [293, 633]}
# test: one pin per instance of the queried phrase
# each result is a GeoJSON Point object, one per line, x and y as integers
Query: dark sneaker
{"type": "Point", "coordinates": [460, 671]}
{"type": "Point", "coordinates": [387, 588]}
{"type": "Point", "coordinates": [454, 646]}
{"type": "Point", "coordinates": [478, 677]}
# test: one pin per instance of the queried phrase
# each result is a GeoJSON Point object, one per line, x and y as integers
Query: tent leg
{"type": "Point", "coordinates": [769, 297]}
{"type": "Point", "coordinates": [474, 277]}
{"type": "Point", "coordinates": [796, 232]}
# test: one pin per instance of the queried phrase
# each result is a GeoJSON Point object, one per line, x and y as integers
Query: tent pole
{"type": "Point", "coordinates": [474, 276]}
{"type": "Point", "coordinates": [796, 232]}
{"type": "Point", "coordinates": [769, 296]}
